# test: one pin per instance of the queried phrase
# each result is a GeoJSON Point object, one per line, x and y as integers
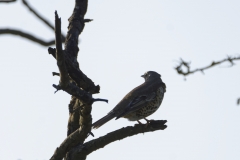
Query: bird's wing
{"type": "Point", "coordinates": [137, 103]}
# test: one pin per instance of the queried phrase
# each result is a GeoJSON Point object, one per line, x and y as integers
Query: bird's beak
{"type": "Point", "coordinates": [142, 76]}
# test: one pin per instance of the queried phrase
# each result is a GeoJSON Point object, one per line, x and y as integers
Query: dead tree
{"type": "Point", "coordinates": [76, 83]}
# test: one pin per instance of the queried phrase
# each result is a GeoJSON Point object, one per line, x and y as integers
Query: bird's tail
{"type": "Point", "coordinates": [102, 121]}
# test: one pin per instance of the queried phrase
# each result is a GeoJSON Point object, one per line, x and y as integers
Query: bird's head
{"type": "Point", "coordinates": [151, 75]}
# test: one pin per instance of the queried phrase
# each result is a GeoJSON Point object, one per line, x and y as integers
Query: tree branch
{"type": "Point", "coordinates": [84, 100]}
{"type": "Point", "coordinates": [185, 64]}
{"type": "Point", "coordinates": [76, 137]}
{"type": "Point", "coordinates": [64, 79]}
{"type": "Point", "coordinates": [82, 150]}
{"type": "Point", "coordinates": [76, 74]}
{"type": "Point", "coordinates": [74, 115]}
{"type": "Point", "coordinates": [40, 17]}
{"type": "Point", "coordinates": [76, 26]}
{"type": "Point", "coordinates": [27, 36]}
{"type": "Point", "coordinates": [93, 145]}
{"type": "Point", "coordinates": [65, 83]}
{"type": "Point", "coordinates": [7, 1]}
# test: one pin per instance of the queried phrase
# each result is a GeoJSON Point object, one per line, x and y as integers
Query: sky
{"type": "Point", "coordinates": [126, 39]}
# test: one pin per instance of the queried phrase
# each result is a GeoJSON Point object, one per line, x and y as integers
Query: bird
{"type": "Point", "coordinates": [140, 102]}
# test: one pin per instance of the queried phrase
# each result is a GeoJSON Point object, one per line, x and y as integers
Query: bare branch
{"type": "Point", "coordinates": [41, 18]}
{"type": "Point", "coordinates": [38, 15]}
{"type": "Point", "coordinates": [65, 83]}
{"type": "Point", "coordinates": [52, 51]}
{"type": "Point", "coordinates": [76, 137]}
{"type": "Point", "coordinates": [76, 74]}
{"type": "Point", "coordinates": [27, 36]}
{"type": "Point", "coordinates": [7, 1]}
{"type": "Point", "coordinates": [93, 145]}
{"type": "Point", "coordinates": [82, 150]}
{"type": "Point", "coordinates": [76, 26]}
{"type": "Point", "coordinates": [185, 64]}
{"type": "Point", "coordinates": [74, 115]}
{"type": "Point", "coordinates": [55, 74]}
{"type": "Point", "coordinates": [64, 79]}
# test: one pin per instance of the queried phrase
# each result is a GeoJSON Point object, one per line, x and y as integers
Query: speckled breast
{"type": "Point", "coordinates": [149, 109]}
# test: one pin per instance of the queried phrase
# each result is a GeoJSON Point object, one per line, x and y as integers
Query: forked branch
{"type": "Point", "coordinates": [183, 64]}
{"type": "Point", "coordinates": [73, 81]}
{"type": "Point", "coordinates": [82, 150]}
{"type": "Point", "coordinates": [119, 134]}
{"type": "Point", "coordinates": [30, 36]}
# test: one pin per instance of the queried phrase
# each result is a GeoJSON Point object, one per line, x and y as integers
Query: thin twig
{"type": "Point", "coordinates": [44, 20]}
{"type": "Point", "coordinates": [38, 15]}
{"type": "Point", "coordinates": [27, 36]}
{"type": "Point", "coordinates": [185, 64]}
{"type": "Point", "coordinates": [7, 1]}
{"type": "Point", "coordinates": [55, 74]}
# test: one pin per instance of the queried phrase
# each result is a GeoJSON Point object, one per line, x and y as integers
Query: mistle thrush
{"type": "Point", "coordinates": [141, 102]}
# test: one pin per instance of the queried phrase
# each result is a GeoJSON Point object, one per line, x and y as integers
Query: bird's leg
{"type": "Point", "coordinates": [139, 122]}
{"type": "Point", "coordinates": [148, 121]}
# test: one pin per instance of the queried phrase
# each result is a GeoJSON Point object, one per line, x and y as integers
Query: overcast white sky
{"type": "Point", "coordinates": [126, 39]}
